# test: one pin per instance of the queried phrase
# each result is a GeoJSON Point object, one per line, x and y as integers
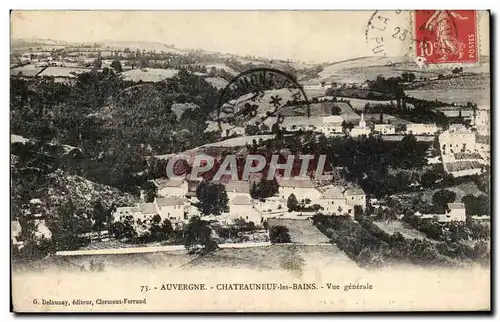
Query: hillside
{"type": "Point", "coordinates": [56, 188]}
{"type": "Point", "coordinates": [140, 45]}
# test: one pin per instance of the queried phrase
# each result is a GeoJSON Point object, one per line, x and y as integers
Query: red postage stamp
{"type": "Point", "coordinates": [446, 36]}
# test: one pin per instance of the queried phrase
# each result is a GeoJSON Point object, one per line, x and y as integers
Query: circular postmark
{"type": "Point", "coordinates": [389, 35]}
{"type": "Point", "coordinates": [260, 96]}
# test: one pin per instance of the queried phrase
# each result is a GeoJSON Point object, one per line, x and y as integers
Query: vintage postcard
{"type": "Point", "coordinates": [250, 161]}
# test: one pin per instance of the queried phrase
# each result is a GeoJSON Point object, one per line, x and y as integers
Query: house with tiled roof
{"type": "Point", "coordinates": [339, 200]}
{"type": "Point", "coordinates": [167, 187]}
{"type": "Point", "coordinates": [355, 197]}
{"type": "Point", "coordinates": [241, 207]}
{"type": "Point", "coordinates": [302, 188]}
{"type": "Point", "coordinates": [455, 212]}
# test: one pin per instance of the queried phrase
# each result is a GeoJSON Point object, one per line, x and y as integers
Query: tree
{"type": "Point", "coordinates": [158, 230]}
{"type": "Point", "coordinates": [117, 65]}
{"type": "Point", "coordinates": [100, 217]}
{"type": "Point", "coordinates": [279, 235]}
{"type": "Point", "coordinates": [197, 237]}
{"type": "Point", "coordinates": [408, 77]}
{"type": "Point", "coordinates": [292, 202]}
{"type": "Point", "coordinates": [150, 191]}
{"type": "Point", "coordinates": [264, 189]}
{"type": "Point", "coordinates": [212, 198]}
{"type": "Point", "coordinates": [477, 206]}
{"type": "Point", "coordinates": [442, 197]}
{"type": "Point", "coordinates": [67, 227]}
{"type": "Point", "coordinates": [358, 212]}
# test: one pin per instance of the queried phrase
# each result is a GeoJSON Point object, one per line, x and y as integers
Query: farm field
{"type": "Point", "coordinates": [217, 82]}
{"type": "Point", "coordinates": [458, 96]}
{"type": "Point", "coordinates": [222, 66]}
{"type": "Point", "coordinates": [348, 113]}
{"type": "Point", "coordinates": [311, 93]}
{"type": "Point", "coordinates": [26, 70]}
{"type": "Point", "coordinates": [359, 104]}
{"type": "Point", "coordinates": [301, 231]}
{"type": "Point", "coordinates": [63, 72]}
{"type": "Point", "coordinates": [461, 190]}
{"type": "Point", "coordinates": [394, 226]}
{"type": "Point", "coordinates": [387, 118]}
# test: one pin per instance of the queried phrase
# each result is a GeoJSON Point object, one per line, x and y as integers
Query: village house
{"type": "Point", "coordinates": [167, 187]}
{"type": "Point", "coordinates": [173, 208]}
{"type": "Point", "coordinates": [355, 197]}
{"type": "Point", "coordinates": [241, 207]}
{"type": "Point", "coordinates": [334, 201]}
{"type": "Point", "coordinates": [457, 139]}
{"type": "Point", "coordinates": [302, 189]}
{"type": "Point", "coordinates": [302, 123]}
{"type": "Point", "coordinates": [387, 129]}
{"type": "Point", "coordinates": [455, 212]}
{"type": "Point", "coordinates": [482, 121]}
{"type": "Point", "coordinates": [237, 188]}
{"type": "Point", "coordinates": [421, 129]}
{"type": "Point", "coordinates": [332, 124]}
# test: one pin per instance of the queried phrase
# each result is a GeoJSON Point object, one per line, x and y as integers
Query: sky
{"type": "Point", "coordinates": [311, 36]}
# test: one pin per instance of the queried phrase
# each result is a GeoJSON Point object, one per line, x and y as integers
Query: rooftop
{"type": "Point", "coordinates": [457, 205]}
{"type": "Point", "coordinates": [169, 201]}
{"type": "Point", "coordinates": [147, 208]}
{"type": "Point", "coordinates": [295, 183]}
{"type": "Point", "coordinates": [241, 200]}
{"type": "Point", "coordinates": [354, 192]}
{"type": "Point", "coordinates": [163, 183]}
{"type": "Point", "coordinates": [238, 186]}
{"type": "Point", "coordinates": [333, 193]}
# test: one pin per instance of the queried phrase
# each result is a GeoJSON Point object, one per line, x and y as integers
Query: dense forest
{"type": "Point", "coordinates": [116, 124]}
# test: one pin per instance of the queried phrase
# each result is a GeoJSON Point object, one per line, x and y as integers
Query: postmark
{"type": "Point", "coordinates": [389, 35]}
{"type": "Point", "coordinates": [446, 36]}
{"type": "Point", "coordinates": [260, 96]}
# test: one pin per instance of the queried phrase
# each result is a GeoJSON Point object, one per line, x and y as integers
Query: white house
{"type": "Point", "coordinates": [304, 123]}
{"type": "Point", "coordinates": [355, 197]}
{"type": "Point", "coordinates": [146, 210]}
{"type": "Point", "coordinates": [457, 139]}
{"type": "Point", "coordinates": [333, 201]}
{"type": "Point", "coordinates": [172, 208]}
{"type": "Point", "coordinates": [241, 207]}
{"type": "Point", "coordinates": [387, 129]}
{"type": "Point", "coordinates": [167, 187]}
{"type": "Point", "coordinates": [332, 124]}
{"type": "Point", "coordinates": [122, 212]}
{"type": "Point", "coordinates": [482, 121]}
{"type": "Point", "coordinates": [455, 212]}
{"type": "Point", "coordinates": [302, 189]}
{"type": "Point", "coordinates": [237, 188]}
{"type": "Point", "coordinates": [421, 129]}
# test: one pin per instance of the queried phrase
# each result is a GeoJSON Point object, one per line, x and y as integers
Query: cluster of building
{"type": "Point", "coordinates": [454, 212]}
{"type": "Point", "coordinates": [459, 152]}
{"type": "Point", "coordinates": [176, 201]}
